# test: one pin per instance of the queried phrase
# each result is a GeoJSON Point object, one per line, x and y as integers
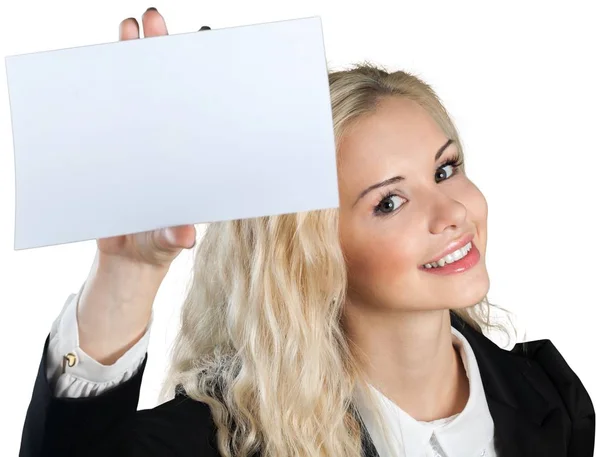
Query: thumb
{"type": "Point", "coordinates": [175, 238]}
{"type": "Point", "coordinates": [164, 240]}
{"type": "Point", "coordinates": [168, 238]}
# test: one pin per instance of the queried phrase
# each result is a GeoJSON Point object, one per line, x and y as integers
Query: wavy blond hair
{"type": "Point", "coordinates": [261, 339]}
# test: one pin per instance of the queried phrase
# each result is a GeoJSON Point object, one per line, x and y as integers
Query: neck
{"type": "Point", "coordinates": [409, 357]}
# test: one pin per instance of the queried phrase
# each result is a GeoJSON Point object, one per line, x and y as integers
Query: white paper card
{"type": "Point", "coordinates": [137, 135]}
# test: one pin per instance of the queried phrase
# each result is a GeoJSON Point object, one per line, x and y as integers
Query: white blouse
{"type": "Point", "coordinates": [467, 434]}
{"type": "Point", "coordinates": [470, 433]}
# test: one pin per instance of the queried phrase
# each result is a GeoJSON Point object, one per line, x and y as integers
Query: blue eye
{"type": "Point", "coordinates": [447, 169]}
{"type": "Point", "coordinates": [444, 172]}
{"type": "Point", "coordinates": [388, 204]}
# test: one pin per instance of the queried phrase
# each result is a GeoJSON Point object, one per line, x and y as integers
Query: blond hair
{"type": "Point", "coordinates": [261, 339]}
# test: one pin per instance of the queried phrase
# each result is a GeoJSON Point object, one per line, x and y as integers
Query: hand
{"type": "Point", "coordinates": [116, 302]}
{"type": "Point", "coordinates": [159, 247]}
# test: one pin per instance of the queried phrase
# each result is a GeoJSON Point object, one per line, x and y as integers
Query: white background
{"type": "Point", "coordinates": [521, 80]}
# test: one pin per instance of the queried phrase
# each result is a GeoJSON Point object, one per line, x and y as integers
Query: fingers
{"type": "Point", "coordinates": [153, 23]}
{"type": "Point", "coordinates": [129, 29]}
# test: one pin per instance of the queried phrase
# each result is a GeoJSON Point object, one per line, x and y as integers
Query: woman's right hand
{"type": "Point", "coordinates": [154, 249]}
{"type": "Point", "coordinates": [115, 304]}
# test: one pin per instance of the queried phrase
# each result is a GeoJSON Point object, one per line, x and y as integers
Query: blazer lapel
{"type": "Point", "coordinates": [525, 423]}
{"type": "Point", "coordinates": [368, 448]}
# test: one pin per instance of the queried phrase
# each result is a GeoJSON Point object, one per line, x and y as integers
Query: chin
{"type": "Point", "coordinates": [472, 295]}
{"type": "Point", "coordinates": [462, 290]}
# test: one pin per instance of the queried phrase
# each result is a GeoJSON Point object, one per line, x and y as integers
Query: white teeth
{"type": "Point", "coordinates": [452, 257]}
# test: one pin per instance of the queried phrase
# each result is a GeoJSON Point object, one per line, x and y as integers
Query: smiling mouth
{"type": "Point", "coordinates": [452, 257]}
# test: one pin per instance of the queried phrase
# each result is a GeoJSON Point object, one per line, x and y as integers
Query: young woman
{"type": "Point", "coordinates": [349, 332]}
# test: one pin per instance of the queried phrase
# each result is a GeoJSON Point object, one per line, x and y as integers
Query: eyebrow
{"type": "Point", "coordinates": [395, 179]}
{"type": "Point", "coordinates": [442, 149]}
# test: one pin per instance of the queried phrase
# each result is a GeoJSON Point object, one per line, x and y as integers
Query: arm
{"type": "Point", "coordinates": [112, 318]}
{"type": "Point", "coordinates": [108, 323]}
{"type": "Point", "coordinates": [81, 415]}
{"type": "Point", "coordinates": [62, 426]}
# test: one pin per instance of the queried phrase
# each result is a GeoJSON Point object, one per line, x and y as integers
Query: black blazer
{"type": "Point", "coordinates": [538, 404]}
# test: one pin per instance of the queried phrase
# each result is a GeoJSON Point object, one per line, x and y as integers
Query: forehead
{"type": "Point", "coordinates": [399, 130]}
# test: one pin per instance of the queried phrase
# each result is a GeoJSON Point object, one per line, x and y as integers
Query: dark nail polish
{"type": "Point", "coordinates": [151, 9]}
{"type": "Point", "coordinates": [204, 27]}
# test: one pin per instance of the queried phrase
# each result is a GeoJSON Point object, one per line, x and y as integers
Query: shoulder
{"type": "Point", "coordinates": [533, 373]}
{"type": "Point", "coordinates": [182, 427]}
{"type": "Point", "coordinates": [543, 355]}
{"type": "Point", "coordinates": [176, 427]}
{"type": "Point", "coordinates": [183, 408]}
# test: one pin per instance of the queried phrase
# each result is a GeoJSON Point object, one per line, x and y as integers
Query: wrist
{"type": "Point", "coordinates": [129, 270]}
{"type": "Point", "coordinates": [125, 280]}
{"type": "Point", "coordinates": [115, 305]}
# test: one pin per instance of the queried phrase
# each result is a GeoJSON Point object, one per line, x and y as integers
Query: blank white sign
{"type": "Point", "coordinates": [137, 135]}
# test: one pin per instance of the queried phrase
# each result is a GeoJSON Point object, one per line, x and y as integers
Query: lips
{"type": "Point", "coordinates": [458, 267]}
{"type": "Point", "coordinates": [453, 246]}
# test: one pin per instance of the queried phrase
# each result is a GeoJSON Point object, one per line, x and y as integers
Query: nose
{"type": "Point", "coordinates": [446, 213]}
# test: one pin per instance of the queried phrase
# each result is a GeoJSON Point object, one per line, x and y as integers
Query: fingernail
{"type": "Point", "coordinates": [151, 9]}
{"type": "Point", "coordinates": [204, 27]}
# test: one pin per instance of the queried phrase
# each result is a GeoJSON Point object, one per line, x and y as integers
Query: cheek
{"type": "Point", "coordinates": [379, 254]}
{"type": "Point", "coordinates": [478, 210]}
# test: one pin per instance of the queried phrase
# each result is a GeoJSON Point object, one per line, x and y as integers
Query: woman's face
{"type": "Point", "coordinates": [401, 208]}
